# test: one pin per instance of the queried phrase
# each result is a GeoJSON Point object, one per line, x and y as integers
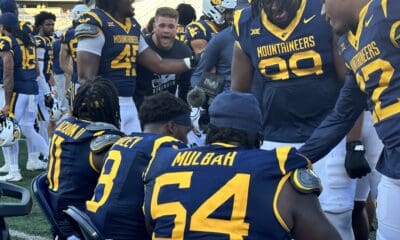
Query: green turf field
{"type": "Point", "coordinates": [35, 225]}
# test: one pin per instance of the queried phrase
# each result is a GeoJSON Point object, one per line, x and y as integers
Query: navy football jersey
{"type": "Point", "coordinates": [116, 206]}
{"type": "Point", "coordinates": [46, 44]}
{"type": "Point", "coordinates": [180, 33]}
{"type": "Point", "coordinates": [118, 56]}
{"type": "Point", "coordinates": [218, 191]}
{"type": "Point", "coordinates": [373, 55]}
{"type": "Point", "coordinates": [203, 29]}
{"type": "Point", "coordinates": [56, 58]}
{"type": "Point", "coordinates": [295, 79]}
{"type": "Point", "coordinates": [24, 64]}
{"type": "Point", "coordinates": [71, 41]}
{"type": "Point", "coordinates": [72, 175]}
{"type": "Point", "coordinates": [25, 27]}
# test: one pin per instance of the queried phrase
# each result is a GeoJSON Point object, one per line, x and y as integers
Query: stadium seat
{"type": "Point", "coordinates": [89, 231]}
{"type": "Point", "coordinates": [40, 191]}
{"type": "Point", "coordinates": [11, 209]}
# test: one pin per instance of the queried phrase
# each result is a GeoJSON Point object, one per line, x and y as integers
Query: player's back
{"type": "Point", "coordinates": [121, 47]}
{"type": "Point", "coordinates": [218, 192]}
{"type": "Point", "coordinates": [295, 78]}
{"type": "Point", "coordinates": [203, 29]}
{"type": "Point", "coordinates": [72, 174]}
{"type": "Point", "coordinates": [116, 206]}
{"type": "Point", "coordinates": [373, 54]}
{"type": "Point", "coordinates": [24, 64]}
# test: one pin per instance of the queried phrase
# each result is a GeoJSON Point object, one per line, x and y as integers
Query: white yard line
{"type": "Point", "coordinates": [18, 234]}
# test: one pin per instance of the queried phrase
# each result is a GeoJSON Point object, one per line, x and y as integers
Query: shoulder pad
{"type": "Point", "coordinates": [305, 180]}
{"type": "Point", "coordinates": [103, 142]}
{"type": "Point", "coordinates": [99, 126]}
{"type": "Point", "coordinates": [86, 30]}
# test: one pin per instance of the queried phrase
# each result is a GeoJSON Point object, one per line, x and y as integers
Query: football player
{"type": "Point", "coordinates": [116, 207]}
{"type": "Point", "coordinates": [230, 189]}
{"type": "Point", "coordinates": [44, 24]}
{"type": "Point", "coordinates": [295, 71]}
{"type": "Point", "coordinates": [9, 152]}
{"type": "Point", "coordinates": [69, 44]}
{"type": "Point", "coordinates": [73, 168]}
{"type": "Point", "coordinates": [187, 14]}
{"type": "Point", "coordinates": [370, 46]}
{"type": "Point", "coordinates": [18, 54]}
{"type": "Point", "coordinates": [110, 44]}
{"type": "Point", "coordinates": [219, 15]}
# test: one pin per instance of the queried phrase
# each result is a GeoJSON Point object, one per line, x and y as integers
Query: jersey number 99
{"type": "Point", "coordinates": [277, 68]}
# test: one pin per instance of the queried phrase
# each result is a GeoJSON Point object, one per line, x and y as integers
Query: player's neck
{"type": "Point", "coordinates": [119, 17]}
{"type": "Point", "coordinates": [358, 6]}
{"type": "Point", "coordinates": [154, 128]}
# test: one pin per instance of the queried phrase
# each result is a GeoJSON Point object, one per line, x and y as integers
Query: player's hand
{"type": "Point", "coordinates": [6, 109]}
{"type": "Point", "coordinates": [48, 101]}
{"type": "Point", "coordinates": [355, 163]}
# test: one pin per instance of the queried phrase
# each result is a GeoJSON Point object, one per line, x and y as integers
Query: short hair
{"type": "Point", "coordinates": [97, 101]}
{"type": "Point", "coordinates": [187, 13]}
{"type": "Point", "coordinates": [226, 135]}
{"type": "Point", "coordinates": [162, 108]}
{"type": "Point", "coordinates": [167, 12]}
{"type": "Point", "coordinates": [43, 16]}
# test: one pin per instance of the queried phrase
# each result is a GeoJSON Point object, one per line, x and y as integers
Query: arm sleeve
{"type": "Point", "coordinates": [93, 44]}
{"type": "Point", "coordinates": [337, 124]}
{"type": "Point", "coordinates": [142, 44]}
{"type": "Point", "coordinates": [208, 60]}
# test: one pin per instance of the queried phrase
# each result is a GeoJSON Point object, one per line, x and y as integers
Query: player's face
{"type": "Point", "coordinates": [281, 12]}
{"type": "Point", "coordinates": [228, 16]}
{"type": "Point", "coordinates": [48, 27]}
{"type": "Point", "coordinates": [165, 30]}
{"type": "Point", "coordinates": [125, 8]}
{"type": "Point", "coordinates": [338, 14]}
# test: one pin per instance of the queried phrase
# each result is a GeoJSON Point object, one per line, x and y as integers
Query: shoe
{"type": "Point", "coordinates": [12, 177]}
{"type": "Point", "coordinates": [35, 165]}
{"type": "Point", "coordinates": [5, 168]}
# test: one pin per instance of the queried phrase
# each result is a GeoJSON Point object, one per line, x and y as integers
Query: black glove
{"type": "Point", "coordinates": [355, 163]}
{"type": "Point", "coordinates": [48, 101]}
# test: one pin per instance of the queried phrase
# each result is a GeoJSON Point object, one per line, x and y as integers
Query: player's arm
{"type": "Point", "coordinates": [337, 124]}
{"type": "Point", "coordinates": [65, 59]}
{"type": "Point", "coordinates": [340, 65]}
{"type": "Point", "coordinates": [241, 71]}
{"type": "Point", "coordinates": [207, 61]}
{"type": "Point", "coordinates": [90, 44]}
{"type": "Point", "coordinates": [198, 45]}
{"type": "Point", "coordinates": [151, 60]}
{"type": "Point", "coordinates": [8, 78]}
{"type": "Point", "coordinates": [304, 216]}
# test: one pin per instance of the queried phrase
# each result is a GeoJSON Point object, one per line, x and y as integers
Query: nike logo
{"type": "Point", "coordinates": [368, 21]}
{"type": "Point", "coordinates": [307, 20]}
